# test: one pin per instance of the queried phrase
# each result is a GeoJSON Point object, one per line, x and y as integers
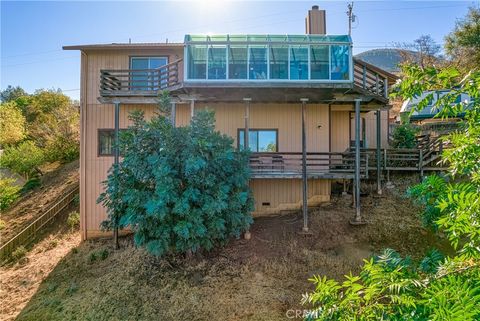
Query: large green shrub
{"type": "Point", "coordinates": [179, 189]}
{"type": "Point", "coordinates": [404, 136]}
{"type": "Point", "coordinates": [23, 159]}
{"type": "Point", "coordinates": [393, 288]}
{"type": "Point", "coordinates": [8, 192]}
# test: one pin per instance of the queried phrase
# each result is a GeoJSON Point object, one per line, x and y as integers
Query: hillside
{"type": "Point", "coordinates": [387, 59]}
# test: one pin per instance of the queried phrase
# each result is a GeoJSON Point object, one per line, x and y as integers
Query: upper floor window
{"type": "Point", "coordinates": [259, 140]}
{"type": "Point", "coordinates": [340, 61]}
{"type": "Point", "coordinates": [144, 76]}
{"type": "Point", "coordinates": [197, 62]}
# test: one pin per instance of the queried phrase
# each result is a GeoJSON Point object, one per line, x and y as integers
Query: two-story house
{"type": "Point", "coordinates": [294, 100]}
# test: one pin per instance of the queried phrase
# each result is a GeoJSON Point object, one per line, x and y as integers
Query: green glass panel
{"type": "Point", "coordinates": [319, 62]}
{"type": "Point", "coordinates": [217, 62]}
{"type": "Point", "coordinates": [299, 62]}
{"type": "Point", "coordinates": [257, 62]}
{"type": "Point", "coordinates": [197, 61]}
{"type": "Point", "coordinates": [237, 62]}
{"type": "Point", "coordinates": [278, 62]}
{"type": "Point", "coordinates": [339, 62]}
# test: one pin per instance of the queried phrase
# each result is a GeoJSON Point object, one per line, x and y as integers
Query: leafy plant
{"type": "Point", "coordinates": [19, 253]}
{"type": "Point", "coordinates": [179, 189]}
{"type": "Point", "coordinates": [12, 124]}
{"type": "Point", "coordinates": [404, 136]}
{"type": "Point", "coordinates": [73, 220]}
{"type": "Point", "coordinates": [390, 287]}
{"type": "Point", "coordinates": [2, 224]}
{"type": "Point", "coordinates": [31, 184]}
{"type": "Point", "coordinates": [9, 192]}
{"type": "Point", "coordinates": [23, 159]}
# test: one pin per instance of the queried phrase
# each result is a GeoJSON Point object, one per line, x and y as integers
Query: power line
{"type": "Point", "coordinates": [37, 62]}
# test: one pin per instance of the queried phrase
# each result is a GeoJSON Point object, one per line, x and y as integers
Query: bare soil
{"type": "Point", "coordinates": [56, 180]}
{"type": "Point", "coordinates": [258, 279]}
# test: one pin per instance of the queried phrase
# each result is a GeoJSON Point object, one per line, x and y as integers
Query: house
{"type": "Point", "coordinates": [428, 118]}
{"type": "Point", "coordinates": [294, 100]}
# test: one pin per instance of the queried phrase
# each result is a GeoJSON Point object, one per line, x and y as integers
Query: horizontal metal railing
{"type": "Point", "coordinates": [139, 82]}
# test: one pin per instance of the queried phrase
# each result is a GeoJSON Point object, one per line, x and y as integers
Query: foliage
{"type": "Point", "coordinates": [23, 159]}
{"type": "Point", "coordinates": [179, 189]}
{"type": "Point", "coordinates": [8, 192]}
{"type": "Point", "coordinates": [63, 149]}
{"type": "Point", "coordinates": [11, 94]}
{"type": "Point", "coordinates": [390, 287]}
{"type": "Point", "coordinates": [404, 136]}
{"type": "Point", "coordinates": [73, 220]}
{"type": "Point", "coordinates": [12, 124]}
{"type": "Point", "coordinates": [2, 224]}
{"type": "Point", "coordinates": [463, 43]}
{"type": "Point", "coordinates": [31, 184]}
{"type": "Point", "coordinates": [19, 253]}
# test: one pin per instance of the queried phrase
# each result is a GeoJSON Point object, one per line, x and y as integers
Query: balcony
{"type": "Point", "coordinates": [230, 67]}
{"type": "Point", "coordinates": [318, 165]}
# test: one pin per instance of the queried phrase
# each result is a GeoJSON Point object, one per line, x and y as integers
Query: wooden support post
{"type": "Point", "coordinates": [358, 216]}
{"type": "Point", "coordinates": [420, 163]}
{"type": "Point", "coordinates": [379, 156]}
{"type": "Point", "coordinates": [116, 158]}
{"type": "Point", "coordinates": [304, 168]}
{"type": "Point", "coordinates": [192, 109]}
{"type": "Point", "coordinates": [246, 133]}
{"type": "Point", "coordinates": [173, 113]}
{"type": "Point", "coordinates": [385, 87]}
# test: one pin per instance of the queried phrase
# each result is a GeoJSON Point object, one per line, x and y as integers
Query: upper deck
{"type": "Point", "coordinates": [230, 67]}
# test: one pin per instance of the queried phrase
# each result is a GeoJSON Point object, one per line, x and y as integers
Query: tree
{"type": "Point", "coordinates": [423, 51]}
{"type": "Point", "coordinates": [12, 124]}
{"type": "Point", "coordinates": [179, 189]}
{"type": "Point", "coordinates": [12, 93]}
{"type": "Point", "coordinates": [23, 159]}
{"type": "Point", "coordinates": [463, 43]}
{"type": "Point", "coordinates": [390, 287]}
{"type": "Point", "coordinates": [53, 123]}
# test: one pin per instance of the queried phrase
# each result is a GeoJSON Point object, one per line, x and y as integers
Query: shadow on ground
{"type": "Point", "coordinates": [259, 279]}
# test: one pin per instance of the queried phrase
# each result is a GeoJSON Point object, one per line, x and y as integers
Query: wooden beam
{"type": "Point", "coordinates": [304, 168]}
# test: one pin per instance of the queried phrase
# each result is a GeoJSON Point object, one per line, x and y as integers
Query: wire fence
{"type": "Point", "coordinates": [29, 233]}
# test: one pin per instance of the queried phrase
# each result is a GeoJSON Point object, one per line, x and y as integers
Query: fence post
{"type": "Point", "coordinates": [420, 163]}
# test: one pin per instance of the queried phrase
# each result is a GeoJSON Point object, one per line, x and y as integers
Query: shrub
{"type": "Point", "coordinates": [23, 159]}
{"type": "Point", "coordinates": [31, 184]}
{"type": "Point", "coordinates": [404, 136]}
{"type": "Point", "coordinates": [8, 192]}
{"type": "Point", "coordinates": [179, 189]}
{"type": "Point", "coordinates": [19, 253]}
{"type": "Point", "coordinates": [2, 224]}
{"type": "Point", "coordinates": [73, 220]}
{"type": "Point", "coordinates": [63, 149]}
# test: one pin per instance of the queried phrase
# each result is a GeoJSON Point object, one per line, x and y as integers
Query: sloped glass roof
{"type": "Point", "coordinates": [297, 39]}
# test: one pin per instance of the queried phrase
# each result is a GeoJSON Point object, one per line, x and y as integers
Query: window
{"type": "Point", "coordinates": [319, 62]}
{"type": "Point", "coordinates": [340, 61]}
{"type": "Point", "coordinates": [258, 62]}
{"type": "Point", "coordinates": [106, 140]}
{"type": "Point", "coordinates": [237, 62]}
{"type": "Point", "coordinates": [217, 62]}
{"type": "Point", "coordinates": [279, 62]}
{"type": "Point", "coordinates": [299, 62]}
{"type": "Point", "coordinates": [259, 140]}
{"type": "Point", "coordinates": [146, 80]}
{"type": "Point", "coordinates": [197, 62]}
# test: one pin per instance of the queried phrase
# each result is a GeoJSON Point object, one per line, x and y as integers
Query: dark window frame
{"type": "Point", "coordinates": [105, 130]}
{"type": "Point", "coordinates": [259, 129]}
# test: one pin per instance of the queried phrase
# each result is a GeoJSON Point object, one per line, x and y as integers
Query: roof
{"type": "Point", "coordinates": [268, 38]}
{"type": "Point", "coordinates": [116, 46]}
{"type": "Point", "coordinates": [431, 110]}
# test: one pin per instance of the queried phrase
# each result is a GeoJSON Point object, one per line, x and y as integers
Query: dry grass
{"type": "Point", "coordinates": [258, 279]}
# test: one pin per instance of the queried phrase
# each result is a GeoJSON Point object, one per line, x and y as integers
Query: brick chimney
{"type": "Point", "coordinates": [315, 22]}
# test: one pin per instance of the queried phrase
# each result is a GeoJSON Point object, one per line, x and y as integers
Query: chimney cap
{"type": "Point", "coordinates": [315, 7]}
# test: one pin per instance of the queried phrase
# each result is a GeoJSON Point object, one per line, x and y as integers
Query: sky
{"type": "Point", "coordinates": [33, 32]}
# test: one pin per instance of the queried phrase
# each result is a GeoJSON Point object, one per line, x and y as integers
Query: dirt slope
{"type": "Point", "coordinates": [260, 279]}
{"type": "Point", "coordinates": [55, 182]}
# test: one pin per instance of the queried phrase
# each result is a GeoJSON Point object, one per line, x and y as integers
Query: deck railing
{"type": "Point", "coordinates": [369, 80]}
{"type": "Point", "coordinates": [139, 82]}
{"type": "Point", "coordinates": [318, 164]}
